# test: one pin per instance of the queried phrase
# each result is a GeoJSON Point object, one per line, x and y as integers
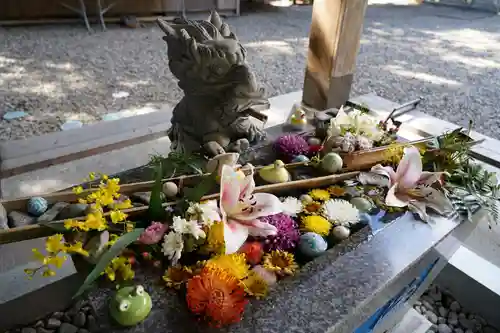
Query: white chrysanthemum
{"type": "Point", "coordinates": [191, 227]}
{"type": "Point", "coordinates": [205, 213]}
{"type": "Point", "coordinates": [172, 246]}
{"type": "Point", "coordinates": [292, 206]}
{"type": "Point", "coordinates": [340, 212]}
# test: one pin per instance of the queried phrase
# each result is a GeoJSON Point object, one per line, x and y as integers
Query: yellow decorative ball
{"type": "Point", "coordinates": [317, 224]}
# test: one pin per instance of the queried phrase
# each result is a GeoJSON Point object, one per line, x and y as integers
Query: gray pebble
{"type": "Point", "coordinates": [443, 312]}
{"type": "Point", "coordinates": [480, 320]}
{"type": "Point", "coordinates": [39, 324]}
{"type": "Point", "coordinates": [52, 212]}
{"type": "Point", "coordinates": [83, 330]}
{"type": "Point", "coordinates": [431, 316]}
{"type": "Point", "coordinates": [57, 315]}
{"type": "Point", "coordinates": [417, 303]}
{"type": "Point", "coordinates": [314, 141]}
{"type": "Point", "coordinates": [43, 330]}
{"type": "Point", "coordinates": [53, 323]}
{"type": "Point", "coordinates": [443, 328]}
{"type": "Point", "coordinates": [19, 219]}
{"type": "Point", "coordinates": [458, 330]}
{"type": "Point", "coordinates": [28, 330]}
{"type": "Point", "coordinates": [428, 306]}
{"type": "Point", "coordinates": [441, 320]}
{"type": "Point", "coordinates": [465, 323]}
{"type": "Point", "coordinates": [4, 220]}
{"type": "Point", "coordinates": [72, 211]}
{"type": "Point", "coordinates": [67, 328]}
{"type": "Point", "coordinates": [435, 294]}
{"type": "Point", "coordinates": [462, 315]}
{"type": "Point", "coordinates": [452, 318]}
{"type": "Point", "coordinates": [469, 331]}
{"type": "Point", "coordinates": [427, 299]}
{"type": "Point", "coordinates": [80, 319]}
{"type": "Point", "coordinates": [455, 306]}
{"type": "Point", "coordinates": [91, 324]}
{"type": "Point", "coordinates": [419, 309]}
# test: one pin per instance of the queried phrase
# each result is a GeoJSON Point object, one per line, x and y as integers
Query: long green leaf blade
{"type": "Point", "coordinates": [120, 244]}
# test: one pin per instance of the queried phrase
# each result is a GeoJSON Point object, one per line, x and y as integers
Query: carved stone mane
{"type": "Point", "coordinates": [219, 87]}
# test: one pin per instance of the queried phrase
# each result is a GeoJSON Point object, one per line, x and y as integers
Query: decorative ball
{"type": "Point", "coordinates": [300, 158]}
{"type": "Point", "coordinates": [170, 189]}
{"type": "Point", "coordinates": [362, 204]}
{"type": "Point", "coordinates": [312, 244]}
{"type": "Point", "coordinates": [37, 206]}
{"type": "Point", "coordinates": [306, 199]}
{"type": "Point", "coordinates": [340, 233]}
{"type": "Point", "coordinates": [332, 163]}
{"type": "Point", "coordinates": [291, 145]}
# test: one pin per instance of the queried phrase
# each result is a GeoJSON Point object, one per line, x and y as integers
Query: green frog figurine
{"type": "Point", "coordinates": [130, 305]}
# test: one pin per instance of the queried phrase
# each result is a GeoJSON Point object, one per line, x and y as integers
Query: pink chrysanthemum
{"type": "Point", "coordinates": [290, 146]}
{"type": "Point", "coordinates": [288, 234]}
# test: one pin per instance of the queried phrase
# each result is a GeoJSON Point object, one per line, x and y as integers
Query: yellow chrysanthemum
{"type": "Point", "coordinates": [312, 208]}
{"type": "Point", "coordinates": [235, 263]}
{"type": "Point", "coordinates": [317, 224]}
{"type": "Point", "coordinates": [280, 262]}
{"type": "Point", "coordinates": [336, 191]}
{"type": "Point", "coordinates": [255, 285]}
{"type": "Point", "coordinates": [319, 194]}
{"type": "Point", "coordinates": [176, 276]}
{"type": "Point", "coordinates": [215, 239]}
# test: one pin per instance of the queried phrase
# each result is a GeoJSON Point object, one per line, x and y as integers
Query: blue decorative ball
{"type": "Point", "coordinates": [312, 245]}
{"type": "Point", "coordinates": [300, 158]}
{"type": "Point", "coordinates": [37, 206]}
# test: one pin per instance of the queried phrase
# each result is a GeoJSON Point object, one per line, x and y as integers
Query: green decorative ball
{"type": "Point", "coordinates": [312, 245]}
{"type": "Point", "coordinates": [362, 204]}
{"type": "Point", "coordinates": [331, 163]}
{"type": "Point", "coordinates": [130, 305]}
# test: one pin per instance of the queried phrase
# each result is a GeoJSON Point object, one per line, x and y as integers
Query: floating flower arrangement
{"type": "Point", "coordinates": [218, 251]}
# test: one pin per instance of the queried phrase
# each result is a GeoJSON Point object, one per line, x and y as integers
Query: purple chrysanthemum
{"type": "Point", "coordinates": [291, 145]}
{"type": "Point", "coordinates": [288, 235]}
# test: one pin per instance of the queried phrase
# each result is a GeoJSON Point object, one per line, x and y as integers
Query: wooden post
{"type": "Point", "coordinates": [333, 46]}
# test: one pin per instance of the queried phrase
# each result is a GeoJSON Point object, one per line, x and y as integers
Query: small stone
{"type": "Point", "coordinates": [441, 320]}
{"type": "Point", "coordinates": [340, 233]}
{"type": "Point", "coordinates": [428, 306]}
{"type": "Point", "coordinates": [43, 330]}
{"type": "Point", "coordinates": [455, 306]}
{"type": "Point", "coordinates": [83, 330]}
{"type": "Point", "coordinates": [86, 309]}
{"type": "Point", "coordinates": [28, 330]}
{"type": "Point", "coordinates": [453, 318]}
{"type": "Point", "coordinates": [447, 299]}
{"type": "Point", "coordinates": [38, 324]}
{"type": "Point", "coordinates": [67, 328]}
{"type": "Point", "coordinates": [170, 189]}
{"type": "Point", "coordinates": [458, 330]}
{"type": "Point", "coordinates": [426, 298]}
{"type": "Point", "coordinates": [465, 323]}
{"type": "Point", "coordinates": [443, 328]}
{"type": "Point", "coordinates": [419, 309]}
{"type": "Point", "coordinates": [53, 323]}
{"type": "Point", "coordinates": [79, 319]}
{"type": "Point", "coordinates": [4, 220]}
{"type": "Point", "coordinates": [480, 320]}
{"type": "Point", "coordinates": [443, 312]}
{"type": "Point", "coordinates": [52, 212]}
{"type": "Point", "coordinates": [91, 324]}
{"type": "Point", "coordinates": [144, 197]}
{"type": "Point", "coordinates": [57, 315]}
{"type": "Point", "coordinates": [67, 318]}
{"type": "Point", "coordinates": [72, 211]}
{"type": "Point", "coordinates": [361, 204]}
{"type": "Point", "coordinates": [469, 331]}
{"type": "Point", "coordinates": [435, 294]}
{"type": "Point", "coordinates": [314, 141]}
{"type": "Point", "coordinates": [18, 219]}
{"type": "Point", "coordinates": [417, 303]}
{"type": "Point", "coordinates": [431, 317]}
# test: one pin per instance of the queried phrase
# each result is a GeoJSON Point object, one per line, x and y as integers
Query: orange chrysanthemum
{"type": "Point", "coordinates": [216, 295]}
{"type": "Point", "coordinates": [253, 251]}
{"type": "Point", "coordinates": [312, 208]}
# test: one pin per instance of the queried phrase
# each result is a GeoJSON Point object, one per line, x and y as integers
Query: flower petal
{"type": "Point", "coordinates": [235, 235]}
{"type": "Point", "coordinates": [410, 168]}
{"type": "Point", "coordinates": [261, 204]}
{"type": "Point", "coordinates": [396, 199]}
{"type": "Point", "coordinates": [429, 178]}
{"type": "Point", "coordinates": [247, 187]}
{"type": "Point", "coordinates": [385, 171]}
{"type": "Point", "coordinates": [258, 228]}
{"type": "Point", "coordinates": [420, 209]}
{"type": "Point", "coordinates": [436, 200]}
{"type": "Point", "coordinates": [229, 189]}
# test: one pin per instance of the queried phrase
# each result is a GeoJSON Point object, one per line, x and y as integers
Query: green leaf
{"type": "Point", "coordinates": [115, 250]}
{"type": "Point", "coordinates": [195, 194]}
{"type": "Point", "coordinates": [155, 210]}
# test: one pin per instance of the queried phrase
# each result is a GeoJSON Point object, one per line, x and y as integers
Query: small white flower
{"type": "Point", "coordinates": [340, 212]}
{"type": "Point", "coordinates": [191, 227]}
{"type": "Point", "coordinates": [172, 246]}
{"type": "Point", "coordinates": [205, 213]}
{"type": "Point", "coordinates": [292, 206]}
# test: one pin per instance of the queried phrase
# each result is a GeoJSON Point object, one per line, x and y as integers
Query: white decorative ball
{"type": "Point", "coordinates": [332, 163]}
{"type": "Point", "coordinates": [170, 189]}
{"type": "Point", "coordinates": [340, 233]}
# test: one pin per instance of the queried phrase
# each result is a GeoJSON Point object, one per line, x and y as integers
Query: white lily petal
{"type": "Point", "coordinates": [419, 208]}
{"type": "Point", "coordinates": [229, 189]}
{"type": "Point", "coordinates": [436, 200]}
{"type": "Point", "coordinates": [235, 236]}
{"type": "Point", "coordinates": [394, 201]}
{"type": "Point", "coordinates": [262, 204]}
{"type": "Point", "coordinates": [410, 168]}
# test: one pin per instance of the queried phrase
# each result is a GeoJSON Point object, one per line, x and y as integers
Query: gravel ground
{"type": "Point", "coordinates": [449, 56]}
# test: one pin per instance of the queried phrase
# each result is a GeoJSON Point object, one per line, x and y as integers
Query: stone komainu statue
{"type": "Point", "coordinates": [220, 91]}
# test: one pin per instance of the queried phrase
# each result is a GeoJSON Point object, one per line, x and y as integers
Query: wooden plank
{"type": "Point", "coordinates": [22, 156]}
{"type": "Point", "coordinates": [333, 46]}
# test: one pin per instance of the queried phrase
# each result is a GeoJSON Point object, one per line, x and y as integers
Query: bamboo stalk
{"type": "Point", "coordinates": [37, 230]}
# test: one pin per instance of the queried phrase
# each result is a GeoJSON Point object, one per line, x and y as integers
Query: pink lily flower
{"type": "Point", "coordinates": [240, 209]}
{"type": "Point", "coordinates": [410, 186]}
